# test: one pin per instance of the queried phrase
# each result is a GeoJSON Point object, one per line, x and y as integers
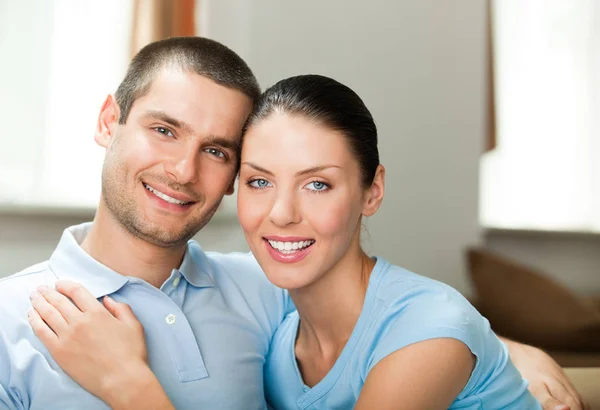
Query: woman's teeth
{"type": "Point", "coordinates": [165, 197]}
{"type": "Point", "coordinates": [290, 247]}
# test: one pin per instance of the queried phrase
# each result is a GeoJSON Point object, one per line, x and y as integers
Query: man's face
{"type": "Point", "coordinates": [168, 167]}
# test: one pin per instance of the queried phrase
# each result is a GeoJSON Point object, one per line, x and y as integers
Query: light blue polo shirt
{"type": "Point", "coordinates": [208, 329]}
{"type": "Point", "coordinates": [400, 308]}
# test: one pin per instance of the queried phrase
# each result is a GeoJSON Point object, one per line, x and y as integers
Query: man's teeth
{"type": "Point", "coordinates": [289, 247]}
{"type": "Point", "coordinates": [165, 197]}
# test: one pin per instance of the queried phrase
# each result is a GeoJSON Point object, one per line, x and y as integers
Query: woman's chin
{"type": "Point", "coordinates": [288, 281]}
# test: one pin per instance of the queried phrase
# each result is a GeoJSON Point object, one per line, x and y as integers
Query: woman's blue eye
{"type": "Point", "coordinates": [317, 186]}
{"type": "Point", "coordinates": [215, 152]}
{"type": "Point", "coordinates": [164, 131]}
{"type": "Point", "coordinates": [259, 183]}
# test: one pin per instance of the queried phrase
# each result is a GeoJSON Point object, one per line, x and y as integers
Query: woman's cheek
{"type": "Point", "coordinates": [331, 217]}
{"type": "Point", "coordinates": [251, 210]}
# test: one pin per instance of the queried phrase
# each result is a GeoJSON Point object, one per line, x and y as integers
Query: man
{"type": "Point", "coordinates": [172, 136]}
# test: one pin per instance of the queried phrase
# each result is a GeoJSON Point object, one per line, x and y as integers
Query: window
{"type": "Point", "coordinates": [545, 172]}
{"type": "Point", "coordinates": [64, 56]}
{"type": "Point", "coordinates": [60, 60]}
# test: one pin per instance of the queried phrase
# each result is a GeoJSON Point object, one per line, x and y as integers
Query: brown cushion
{"type": "Point", "coordinates": [527, 306]}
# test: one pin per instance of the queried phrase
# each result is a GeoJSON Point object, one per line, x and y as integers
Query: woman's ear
{"type": "Point", "coordinates": [374, 194]}
{"type": "Point", "coordinates": [107, 120]}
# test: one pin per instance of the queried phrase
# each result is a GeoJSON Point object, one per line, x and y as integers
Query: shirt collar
{"type": "Point", "coordinates": [70, 262]}
{"type": "Point", "coordinates": [196, 268]}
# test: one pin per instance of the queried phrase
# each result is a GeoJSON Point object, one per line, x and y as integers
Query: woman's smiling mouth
{"type": "Point", "coordinates": [288, 250]}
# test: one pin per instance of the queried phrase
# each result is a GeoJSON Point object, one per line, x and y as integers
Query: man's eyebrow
{"type": "Point", "coordinates": [223, 142]}
{"type": "Point", "coordinates": [163, 116]}
{"type": "Point", "coordinates": [299, 173]}
{"type": "Point", "coordinates": [184, 126]}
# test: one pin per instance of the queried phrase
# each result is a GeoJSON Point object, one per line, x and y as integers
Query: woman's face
{"type": "Point", "coordinates": [300, 198]}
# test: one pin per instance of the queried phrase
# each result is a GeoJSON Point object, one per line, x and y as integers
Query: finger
{"type": "Point", "coordinates": [550, 403]}
{"type": "Point", "coordinates": [41, 329]}
{"type": "Point", "coordinates": [121, 311]}
{"type": "Point", "coordinates": [67, 309]}
{"type": "Point", "coordinates": [48, 313]}
{"type": "Point", "coordinates": [569, 391]}
{"type": "Point", "coordinates": [553, 404]}
{"type": "Point", "coordinates": [84, 300]}
{"type": "Point", "coordinates": [562, 394]}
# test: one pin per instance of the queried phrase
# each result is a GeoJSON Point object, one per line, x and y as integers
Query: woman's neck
{"type": "Point", "coordinates": [329, 310]}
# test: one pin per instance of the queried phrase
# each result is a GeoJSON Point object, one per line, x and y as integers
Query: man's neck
{"type": "Point", "coordinates": [111, 244]}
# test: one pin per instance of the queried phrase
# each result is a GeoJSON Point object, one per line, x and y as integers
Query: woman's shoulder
{"type": "Point", "coordinates": [409, 308]}
{"type": "Point", "coordinates": [400, 291]}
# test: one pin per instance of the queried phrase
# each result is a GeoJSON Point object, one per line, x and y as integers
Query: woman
{"type": "Point", "coordinates": [366, 334]}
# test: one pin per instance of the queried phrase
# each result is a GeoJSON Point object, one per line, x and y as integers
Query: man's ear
{"type": "Point", "coordinates": [107, 121]}
{"type": "Point", "coordinates": [374, 194]}
{"type": "Point", "coordinates": [231, 188]}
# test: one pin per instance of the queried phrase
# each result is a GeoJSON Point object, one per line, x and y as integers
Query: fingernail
{"type": "Point", "coordinates": [35, 295]}
{"type": "Point", "coordinates": [29, 312]}
{"type": "Point", "coordinates": [561, 407]}
{"type": "Point", "coordinates": [43, 288]}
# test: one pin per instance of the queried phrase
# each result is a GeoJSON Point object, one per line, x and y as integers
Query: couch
{"type": "Point", "coordinates": [527, 306]}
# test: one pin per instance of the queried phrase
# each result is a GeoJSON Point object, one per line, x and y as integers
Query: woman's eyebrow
{"type": "Point", "coordinates": [299, 173]}
{"type": "Point", "coordinates": [316, 169]}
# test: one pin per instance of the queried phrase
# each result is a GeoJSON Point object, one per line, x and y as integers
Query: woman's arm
{"type": "Point", "coordinates": [100, 345]}
{"type": "Point", "coordinates": [427, 375]}
{"type": "Point", "coordinates": [547, 381]}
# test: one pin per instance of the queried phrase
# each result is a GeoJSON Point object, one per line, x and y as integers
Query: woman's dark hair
{"type": "Point", "coordinates": [330, 103]}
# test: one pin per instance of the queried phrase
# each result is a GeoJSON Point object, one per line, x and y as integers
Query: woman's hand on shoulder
{"type": "Point", "coordinates": [406, 378]}
{"type": "Point", "coordinates": [100, 345]}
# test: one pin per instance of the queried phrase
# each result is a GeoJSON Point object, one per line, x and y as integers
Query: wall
{"type": "Point", "coordinates": [419, 66]}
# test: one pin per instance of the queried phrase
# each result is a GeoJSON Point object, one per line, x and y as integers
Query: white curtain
{"type": "Point", "coordinates": [59, 60]}
{"type": "Point", "coordinates": [545, 172]}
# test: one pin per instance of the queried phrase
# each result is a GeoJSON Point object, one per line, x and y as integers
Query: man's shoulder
{"type": "Point", "coordinates": [16, 289]}
{"type": "Point", "coordinates": [239, 277]}
{"type": "Point", "coordinates": [237, 266]}
{"type": "Point", "coordinates": [242, 269]}
{"type": "Point", "coordinates": [243, 263]}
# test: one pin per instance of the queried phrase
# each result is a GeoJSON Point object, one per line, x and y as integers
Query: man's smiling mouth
{"type": "Point", "coordinates": [166, 197]}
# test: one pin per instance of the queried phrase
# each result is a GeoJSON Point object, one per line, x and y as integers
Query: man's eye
{"type": "Point", "coordinates": [215, 152]}
{"type": "Point", "coordinates": [164, 131]}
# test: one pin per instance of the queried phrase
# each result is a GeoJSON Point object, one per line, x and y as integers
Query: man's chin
{"type": "Point", "coordinates": [164, 236]}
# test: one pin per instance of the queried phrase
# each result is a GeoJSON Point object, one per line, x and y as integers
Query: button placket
{"type": "Point", "coordinates": [176, 333]}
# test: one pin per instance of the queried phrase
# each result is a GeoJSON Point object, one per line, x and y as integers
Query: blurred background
{"type": "Point", "coordinates": [488, 116]}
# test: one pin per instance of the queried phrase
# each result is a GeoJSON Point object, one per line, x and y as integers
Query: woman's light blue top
{"type": "Point", "coordinates": [400, 308]}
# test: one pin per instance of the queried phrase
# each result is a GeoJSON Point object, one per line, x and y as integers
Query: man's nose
{"type": "Point", "coordinates": [183, 169]}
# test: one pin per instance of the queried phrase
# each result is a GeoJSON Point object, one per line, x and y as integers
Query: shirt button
{"type": "Point", "coordinates": [176, 281]}
{"type": "Point", "coordinates": [170, 319]}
